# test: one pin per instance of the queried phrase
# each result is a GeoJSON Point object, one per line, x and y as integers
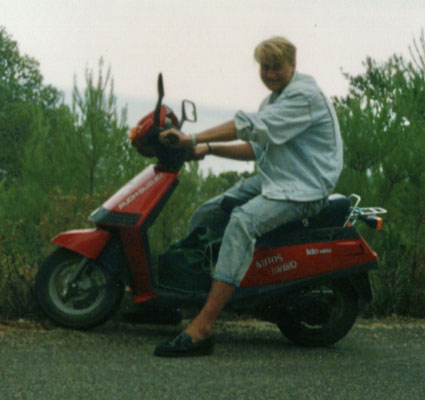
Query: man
{"type": "Point", "coordinates": [295, 139]}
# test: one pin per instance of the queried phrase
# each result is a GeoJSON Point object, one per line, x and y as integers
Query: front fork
{"type": "Point", "coordinates": [69, 281]}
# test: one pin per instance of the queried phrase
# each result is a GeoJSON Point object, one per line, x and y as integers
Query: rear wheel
{"type": "Point", "coordinates": [319, 315]}
{"type": "Point", "coordinates": [76, 301]}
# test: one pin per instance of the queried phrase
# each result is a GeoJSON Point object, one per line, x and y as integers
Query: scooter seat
{"type": "Point", "coordinates": [333, 215]}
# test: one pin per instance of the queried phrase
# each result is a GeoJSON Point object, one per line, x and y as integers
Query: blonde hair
{"type": "Point", "coordinates": [277, 49]}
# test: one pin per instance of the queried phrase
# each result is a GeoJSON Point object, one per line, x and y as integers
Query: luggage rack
{"type": "Point", "coordinates": [357, 212]}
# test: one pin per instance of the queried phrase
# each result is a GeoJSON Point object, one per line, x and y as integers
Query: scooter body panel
{"type": "Point", "coordinates": [135, 201]}
{"type": "Point", "coordinates": [88, 242]}
{"type": "Point", "coordinates": [246, 299]}
{"type": "Point", "coordinates": [137, 251]}
{"type": "Point", "coordinates": [287, 263]}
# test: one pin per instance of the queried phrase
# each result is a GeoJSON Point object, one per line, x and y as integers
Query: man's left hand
{"type": "Point", "coordinates": [199, 152]}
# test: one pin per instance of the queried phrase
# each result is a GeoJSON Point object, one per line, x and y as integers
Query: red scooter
{"type": "Point", "coordinates": [307, 276]}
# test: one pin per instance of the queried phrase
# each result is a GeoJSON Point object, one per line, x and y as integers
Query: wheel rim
{"type": "Point", "coordinates": [84, 295]}
{"type": "Point", "coordinates": [319, 315]}
{"type": "Point", "coordinates": [325, 307]}
{"type": "Point", "coordinates": [328, 308]}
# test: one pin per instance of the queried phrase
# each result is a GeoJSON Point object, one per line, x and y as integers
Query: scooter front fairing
{"type": "Point", "coordinates": [122, 223]}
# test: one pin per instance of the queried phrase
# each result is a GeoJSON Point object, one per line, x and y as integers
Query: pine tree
{"type": "Point", "coordinates": [383, 125]}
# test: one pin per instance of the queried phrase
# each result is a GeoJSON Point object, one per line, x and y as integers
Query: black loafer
{"type": "Point", "coordinates": [183, 346]}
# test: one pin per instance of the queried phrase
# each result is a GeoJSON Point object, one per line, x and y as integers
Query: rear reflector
{"type": "Point", "coordinates": [374, 222]}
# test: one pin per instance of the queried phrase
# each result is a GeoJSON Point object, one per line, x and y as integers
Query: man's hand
{"type": "Point", "coordinates": [174, 138]}
{"type": "Point", "coordinates": [199, 152]}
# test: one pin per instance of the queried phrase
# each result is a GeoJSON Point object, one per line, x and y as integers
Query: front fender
{"type": "Point", "coordinates": [88, 242]}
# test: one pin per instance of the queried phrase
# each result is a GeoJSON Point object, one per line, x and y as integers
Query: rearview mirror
{"type": "Point", "coordinates": [188, 112]}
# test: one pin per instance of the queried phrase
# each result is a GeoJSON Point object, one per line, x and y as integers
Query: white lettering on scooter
{"type": "Point", "coordinates": [269, 260]}
{"type": "Point", "coordinates": [288, 266]}
{"type": "Point", "coordinates": [324, 251]}
{"type": "Point", "coordinates": [138, 192]}
{"type": "Point", "coordinates": [313, 252]}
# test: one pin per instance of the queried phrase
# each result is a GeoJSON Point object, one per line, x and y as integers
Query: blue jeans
{"type": "Point", "coordinates": [254, 216]}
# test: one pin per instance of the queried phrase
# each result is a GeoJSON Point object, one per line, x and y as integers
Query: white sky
{"type": "Point", "coordinates": [205, 47]}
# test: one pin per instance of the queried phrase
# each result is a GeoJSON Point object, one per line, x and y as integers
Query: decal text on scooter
{"type": "Point", "coordinates": [276, 269]}
{"type": "Point", "coordinates": [285, 267]}
{"type": "Point", "coordinates": [141, 190]}
{"type": "Point", "coordinates": [269, 260]}
{"type": "Point", "coordinates": [313, 252]}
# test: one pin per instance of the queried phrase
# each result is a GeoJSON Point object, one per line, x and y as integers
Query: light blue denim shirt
{"type": "Point", "coordinates": [296, 140]}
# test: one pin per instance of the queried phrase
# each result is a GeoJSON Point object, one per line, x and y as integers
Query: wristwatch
{"type": "Point", "coordinates": [193, 140]}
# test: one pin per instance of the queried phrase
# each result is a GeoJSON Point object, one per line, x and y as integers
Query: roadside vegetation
{"type": "Point", "coordinates": [59, 162]}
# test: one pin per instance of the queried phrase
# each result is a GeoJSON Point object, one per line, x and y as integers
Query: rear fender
{"type": "Point", "coordinates": [87, 242]}
{"type": "Point", "coordinates": [361, 284]}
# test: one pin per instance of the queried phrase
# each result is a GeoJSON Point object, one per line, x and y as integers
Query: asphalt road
{"type": "Point", "coordinates": [377, 360]}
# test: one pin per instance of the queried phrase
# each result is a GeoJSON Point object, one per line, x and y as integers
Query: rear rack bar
{"type": "Point", "coordinates": [372, 210]}
{"type": "Point", "coordinates": [352, 209]}
{"type": "Point", "coordinates": [358, 212]}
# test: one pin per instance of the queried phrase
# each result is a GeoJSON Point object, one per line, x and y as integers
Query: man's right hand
{"type": "Point", "coordinates": [174, 138]}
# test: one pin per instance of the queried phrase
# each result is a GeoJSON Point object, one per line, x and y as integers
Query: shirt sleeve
{"type": "Point", "coordinates": [275, 123]}
{"type": "Point", "coordinates": [258, 149]}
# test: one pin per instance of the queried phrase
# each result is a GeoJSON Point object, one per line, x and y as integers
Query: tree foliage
{"type": "Point", "coordinates": [101, 144]}
{"type": "Point", "coordinates": [383, 125]}
{"type": "Point", "coordinates": [22, 96]}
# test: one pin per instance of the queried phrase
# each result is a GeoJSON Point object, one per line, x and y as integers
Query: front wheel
{"type": "Point", "coordinates": [78, 301]}
{"type": "Point", "coordinates": [319, 315]}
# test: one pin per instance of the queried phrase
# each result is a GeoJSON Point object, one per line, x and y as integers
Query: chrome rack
{"type": "Point", "coordinates": [358, 212]}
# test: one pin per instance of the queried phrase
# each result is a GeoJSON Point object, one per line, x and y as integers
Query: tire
{"type": "Point", "coordinates": [319, 315]}
{"type": "Point", "coordinates": [92, 299]}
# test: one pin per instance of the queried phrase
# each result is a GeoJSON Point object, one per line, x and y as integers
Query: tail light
{"type": "Point", "coordinates": [373, 222]}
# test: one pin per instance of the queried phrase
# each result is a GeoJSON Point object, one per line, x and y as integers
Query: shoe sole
{"type": "Point", "coordinates": [191, 353]}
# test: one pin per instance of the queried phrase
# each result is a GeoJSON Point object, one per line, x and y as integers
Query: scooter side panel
{"type": "Point", "coordinates": [281, 264]}
{"type": "Point", "coordinates": [88, 242]}
{"type": "Point", "coordinates": [134, 202]}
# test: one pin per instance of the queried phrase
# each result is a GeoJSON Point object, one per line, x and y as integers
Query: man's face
{"type": "Point", "coordinates": [276, 75]}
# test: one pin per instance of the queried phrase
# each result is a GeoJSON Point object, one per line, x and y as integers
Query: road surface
{"type": "Point", "coordinates": [252, 360]}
